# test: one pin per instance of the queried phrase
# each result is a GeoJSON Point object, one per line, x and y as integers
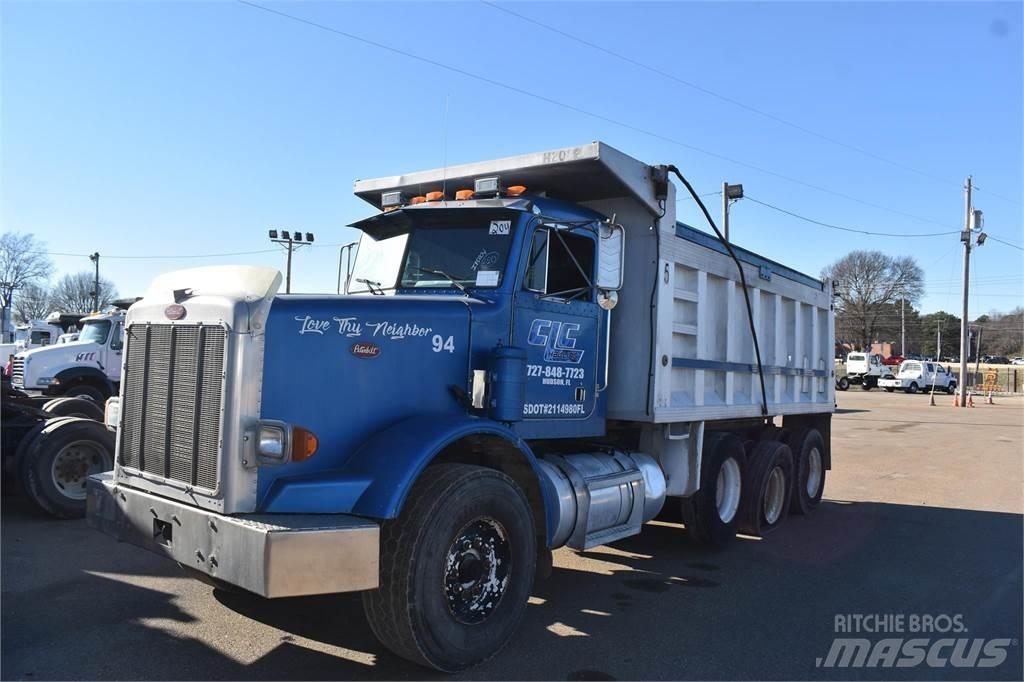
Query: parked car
{"type": "Point", "coordinates": [998, 360]}
{"type": "Point", "coordinates": [915, 376]}
{"type": "Point", "coordinates": [1017, 361]}
{"type": "Point", "coordinates": [893, 360]}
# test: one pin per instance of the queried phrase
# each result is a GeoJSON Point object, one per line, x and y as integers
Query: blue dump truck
{"type": "Point", "coordinates": [531, 353]}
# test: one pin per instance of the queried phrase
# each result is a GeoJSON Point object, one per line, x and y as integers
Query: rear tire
{"type": "Point", "coordinates": [913, 388]}
{"type": "Point", "coordinates": [843, 384]}
{"type": "Point", "coordinates": [711, 514]}
{"type": "Point", "coordinates": [767, 497]}
{"type": "Point", "coordinates": [74, 407]}
{"type": "Point", "coordinates": [866, 385]}
{"type": "Point", "coordinates": [54, 467]}
{"type": "Point", "coordinates": [456, 568]}
{"type": "Point", "coordinates": [808, 450]}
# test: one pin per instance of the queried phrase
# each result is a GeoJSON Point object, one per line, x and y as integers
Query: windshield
{"type": "Point", "coordinates": [436, 249]}
{"type": "Point", "coordinates": [21, 335]}
{"type": "Point", "coordinates": [95, 331]}
{"type": "Point", "coordinates": [855, 357]}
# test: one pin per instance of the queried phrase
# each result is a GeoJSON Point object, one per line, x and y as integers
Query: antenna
{"type": "Point", "coordinates": [444, 172]}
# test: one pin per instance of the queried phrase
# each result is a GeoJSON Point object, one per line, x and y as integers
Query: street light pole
{"type": "Point", "coordinates": [290, 241]}
{"type": "Point", "coordinates": [729, 193]}
{"type": "Point", "coordinates": [965, 237]}
{"type": "Point", "coordinates": [95, 258]}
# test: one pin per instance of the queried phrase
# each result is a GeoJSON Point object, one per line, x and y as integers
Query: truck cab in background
{"type": "Point", "coordinates": [919, 375]}
{"type": "Point", "coordinates": [531, 353]}
{"type": "Point", "coordinates": [88, 367]}
{"type": "Point", "coordinates": [865, 369]}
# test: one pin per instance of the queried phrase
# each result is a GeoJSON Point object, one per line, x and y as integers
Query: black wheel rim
{"type": "Point", "coordinates": [476, 570]}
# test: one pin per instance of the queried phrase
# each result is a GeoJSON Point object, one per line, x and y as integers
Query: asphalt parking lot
{"type": "Point", "coordinates": [923, 516]}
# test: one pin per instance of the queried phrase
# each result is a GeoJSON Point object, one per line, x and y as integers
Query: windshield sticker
{"type": "Point", "coordinates": [484, 259]}
{"type": "Point", "coordinates": [500, 227]}
{"type": "Point", "coordinates": [487, 278]}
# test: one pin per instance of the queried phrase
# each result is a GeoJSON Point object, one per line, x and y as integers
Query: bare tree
{"type": "Point", "coordinates": [868, 284]}
{"type": "Point", "coordinates": [22, 262]}
{"type": "Point", "coordinates": [73, 293]}
{"type": "Point", "coordinates": [31, 302]}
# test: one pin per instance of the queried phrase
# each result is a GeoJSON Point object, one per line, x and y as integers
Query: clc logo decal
{"type": "Point", "coordinates": [557, 338]}
{"type": "Point", "coordinates": [85, 357]}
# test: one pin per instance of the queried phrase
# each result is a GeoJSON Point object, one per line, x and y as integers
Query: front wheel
{"type": "Point", "coordinates": [866, 384]}
{"type": "Point", "coordinates": [951, 388]}
{"type": "Point", "coordinates": [843, 384]}
{"type": "Point", "coordinates": [456, 568]}
{"type": "Point", "coordinates": [87, 391]}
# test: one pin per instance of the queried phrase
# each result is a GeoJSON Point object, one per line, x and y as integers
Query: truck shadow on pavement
{"type": "Point", "coordinates": [648, 607]}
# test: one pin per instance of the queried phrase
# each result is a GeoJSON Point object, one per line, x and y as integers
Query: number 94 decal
{"type": "Point", "coordinates": [439, 344]}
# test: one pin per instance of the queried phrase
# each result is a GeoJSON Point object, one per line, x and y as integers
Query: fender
{"type": "Point", "coordinates": [72, 374]}
{"type": "Point", "coordinates": [378, 477]}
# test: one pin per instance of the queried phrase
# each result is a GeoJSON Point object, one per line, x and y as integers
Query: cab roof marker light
{"type": "Point", "coordinates": [435, 196]}
{"type": "Point", "coordinates": [464, 195]}
{"type": "Point", "coordinates": [417, 200]}
{"type": "Point", "coordinates": [391, 199]}
{"type": "Point", "coordinates": [515, 190]}
{"type": "Point", "coordinates": [487, 186]}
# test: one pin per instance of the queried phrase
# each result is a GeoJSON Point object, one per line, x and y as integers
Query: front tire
{"type": "Point", "coordinates": [951, 388]}
{"type": "Point", "coordinates": [844, 384]}
{"type": "Point", "coordinates": [87, 391]}
{"type": "Point", "coordinates": [456, 568]}
{"type": "Point", "coordinates": [711, 514]}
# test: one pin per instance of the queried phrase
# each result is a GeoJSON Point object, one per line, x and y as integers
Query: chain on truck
{"type": "Point", "coordinates": [531, 353]}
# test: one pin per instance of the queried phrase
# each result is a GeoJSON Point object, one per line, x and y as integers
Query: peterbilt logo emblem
{"type": "Point", "coordinates": [174, 311]}
{"type": "Point", "coordinates": [365, 350]}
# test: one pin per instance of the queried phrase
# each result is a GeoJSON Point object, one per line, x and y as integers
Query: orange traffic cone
{"type": "Point", "coordinates": [956, 400]}
{"type": "Point", "coordinates": [931, 397]}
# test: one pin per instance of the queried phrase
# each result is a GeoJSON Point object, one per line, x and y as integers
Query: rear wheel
{"type": "Point", "coordinates": [55, 465]}
{"type": "Point", "coordinates": [74, 407]}
{"type": "Point", "coordinates": [913, 388]}
{"type": "Point", "coordinates": [456, 568]}
{"type": "Point", "coordinates": [808, 450]}
{"type": "Point", "coordinates": [710, 515]}
{"type": "Point", "coordinates": [767, 497]}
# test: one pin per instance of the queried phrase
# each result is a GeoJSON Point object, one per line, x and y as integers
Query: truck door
{"type": "Point", "coordinates": [112, 366]}
{"type": "Point", "coordinates": [557, 323]}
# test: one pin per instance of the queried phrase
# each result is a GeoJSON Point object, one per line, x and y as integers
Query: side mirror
{"type": "Point", "coordinates": [610, 257]}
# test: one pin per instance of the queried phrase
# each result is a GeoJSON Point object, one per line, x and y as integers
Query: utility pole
{"type": "Point", "coordinates": [965, 346]}
{"type": "Point", "coordinates": [903, 329]}
{"type": "Point", "coordinates": [95, 258]}
{"type": "Point", "coordinates": [730, 193]}
{"type": "Point", "coordinates": [938, 341]}
{"type": "Point", "coordinates": [291, 241]}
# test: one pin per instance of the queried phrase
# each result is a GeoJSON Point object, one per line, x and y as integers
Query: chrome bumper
{"type": "Point", "coordinates": [273, 555]}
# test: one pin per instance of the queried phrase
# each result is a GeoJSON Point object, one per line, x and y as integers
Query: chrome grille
{"type": "Point", "coordinates": [171, 411]}
{"type": "Point", "coordinates": [18, 372]}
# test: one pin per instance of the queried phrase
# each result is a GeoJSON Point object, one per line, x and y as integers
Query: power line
{"type": "Point", "coordinates": [720, 96]}
{"type": "Point", "coordinates": [180, 256]}
{"type": "Point", "coordinates": [1003, 241]}
{"type": "Point", "coordinates": [848, 229]}
{"type": "Point", "coordinates": [578, 110]}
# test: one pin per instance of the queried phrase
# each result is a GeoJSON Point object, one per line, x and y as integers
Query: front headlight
{"type": "Point", "coordinates": [278, 442]}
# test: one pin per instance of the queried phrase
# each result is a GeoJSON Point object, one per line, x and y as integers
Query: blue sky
{"type": "Point", "coordinates": [162, 129]}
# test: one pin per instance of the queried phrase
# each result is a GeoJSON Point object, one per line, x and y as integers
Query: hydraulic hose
{"type": "Point", "coordinates": [743, 281]}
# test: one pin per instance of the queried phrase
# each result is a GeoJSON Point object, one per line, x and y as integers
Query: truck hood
{"type": "Point", "coordinates": [346, 367]}
{"type": "Point", "coordinates": [79, 353]}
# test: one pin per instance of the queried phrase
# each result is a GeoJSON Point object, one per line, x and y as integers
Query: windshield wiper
{"type": "Point", "coordinates": [370, 284]}
{"type": "Point", "coordinates": [446, 276]}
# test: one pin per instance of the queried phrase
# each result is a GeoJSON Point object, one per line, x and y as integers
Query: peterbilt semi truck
{"type": "Point", "coordinates": [532, 353]}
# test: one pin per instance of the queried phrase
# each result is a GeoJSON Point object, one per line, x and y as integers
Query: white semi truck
{"type": "Point", "coordinates": [534, 353]}
{"type": "Point", "coordinates": [89, 367]}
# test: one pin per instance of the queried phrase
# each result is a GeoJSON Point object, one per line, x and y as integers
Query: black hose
{"type": "Point", "coordinates": [743, 281]}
